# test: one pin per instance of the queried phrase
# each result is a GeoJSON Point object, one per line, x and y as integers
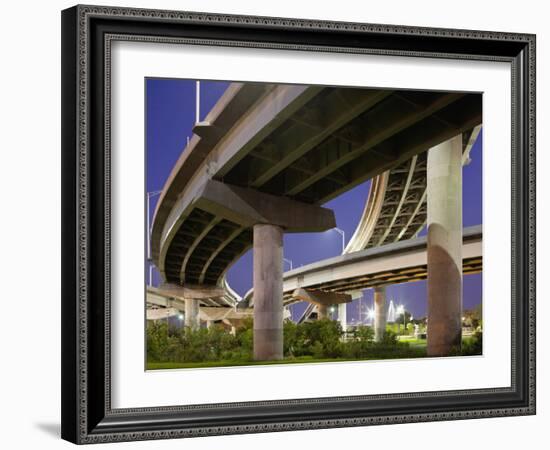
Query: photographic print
{"type": "Point", "coordinates": [311, 224]}
{"type": "Point", "coordinates": [252, 199]}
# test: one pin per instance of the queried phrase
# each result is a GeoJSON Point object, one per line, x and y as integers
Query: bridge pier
{"type": "Point", "coordinates": [192, 313]}
{"type": "Point", "coordinates": [322, 299]}
{"type": "Point", "coordinates": [444, 246]}
{"type": "Point", "coordinates": [322, 312]}
{"type": "Point", "coordinates": [380, 313]}
{"type": "Point", "coordinates": [343, 316]}
{"type": "Point", "coordinates": [268, 292]}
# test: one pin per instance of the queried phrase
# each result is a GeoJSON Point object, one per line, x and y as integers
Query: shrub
{"type": "Point", "coordinates": [473, 345]}
{"type": "Point", "coordinates": [319, 339]}
{"type": "Point", "coordinates": [389, 338]}
{"type": "Point", "coordinates": [245, 339]}
{"type": "Point", "coordinates": [290, 336]}
{"type": "Point", "coordinates": [364, 333]}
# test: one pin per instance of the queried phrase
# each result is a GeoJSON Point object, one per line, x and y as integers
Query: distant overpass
{"type": "Point", "coordinates": [400, 262]}
{"type": "Point", "coordinates": [164, 304]}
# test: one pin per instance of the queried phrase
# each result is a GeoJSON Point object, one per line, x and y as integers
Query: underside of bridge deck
{"type": "Point", "coordinates": [306, 143]}
{"type": "Point", "coordinates": [267, 156]}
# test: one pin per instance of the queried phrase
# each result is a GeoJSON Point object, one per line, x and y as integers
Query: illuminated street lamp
{"type": "Point", "coordinates": [370, 314]}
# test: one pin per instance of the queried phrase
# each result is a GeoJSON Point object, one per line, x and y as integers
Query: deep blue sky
{"type": "Point", "coordinates": [170, 115]}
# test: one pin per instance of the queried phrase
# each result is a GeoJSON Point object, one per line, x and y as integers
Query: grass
{"type": "Point", "coordinates": [412, 341]}
{"type": "Point", "coordinates": [232, 363]}
{"type": "Point", "coordinates": [416, 345]}
{"type": "Point", "coordinates": [228, 363]}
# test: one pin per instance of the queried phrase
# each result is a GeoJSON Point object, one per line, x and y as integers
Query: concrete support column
{"type": "Point", "coordinates": [380, 312]}
{"type": "Point", "coordinates": [322, 312]}
{"type": "Point", "coordinates": [192, 313]}
{"type": "Point", "coordinates": [444, 246]}
{"type": "Point", "coordinates": [268, 292]}
{"type": "Point", "coordinates": [343, 316]}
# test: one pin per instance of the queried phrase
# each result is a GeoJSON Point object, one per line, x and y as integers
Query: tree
{"type": "Point", "coordinates": [474, 317]}
{"type": "Point", "coordinates": [401, 319]}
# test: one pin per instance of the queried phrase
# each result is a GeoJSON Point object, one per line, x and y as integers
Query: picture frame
{"type": "Point", "coordinates": [87, 412]}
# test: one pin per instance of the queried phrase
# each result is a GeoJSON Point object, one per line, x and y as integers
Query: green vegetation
{"type": "Point", "coordinates": [195, 365]}
{"type": "Point", "coordinates": [471, 345]}
{"type": "Point", "coordinates": [203, 345]}
{"type": "Point", "coordinates": [318, 341]}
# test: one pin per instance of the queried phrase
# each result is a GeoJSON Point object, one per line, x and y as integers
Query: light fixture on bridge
{"type": "Point", "coordinates": [343, 234]}
{"type": "Point", "coordinates": [289, 262]}
{"type": "Point", "coordinates": [200, 126]}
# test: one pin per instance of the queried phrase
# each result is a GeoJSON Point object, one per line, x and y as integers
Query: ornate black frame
{"type": "Point", "coordinates": [87, 416]}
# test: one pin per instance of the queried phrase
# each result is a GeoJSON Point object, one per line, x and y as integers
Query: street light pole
{"type": "Point", "coordinates": [343, 234]}
{"type": "Point", "coordinates": [197, 101]}
{"type": "Point", "coordinates": [401, 310]}
{"type": "Point", "coordinates": [289, 262]}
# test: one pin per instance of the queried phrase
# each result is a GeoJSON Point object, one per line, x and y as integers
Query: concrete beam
{"type": "Point", "coordinates": [234, 323]}
{"type": "Point", "coordinates": [190, 291]}
{"type": "Point", "coordinates": [367, 142]}
{"type": "Point", "coordinates": [161, 313]}
{"type": "Point", "coordinates": [195, 244]}
{"type": "Point", "coordinates": [219, 249]}
{"type": "Point", "coordinates": [339, 112]}
{"type": "Point", "coordinates": [444, 247]}
{"type": "Point", "coordinates": [399, 262]}
{"type": "Point", "coordinates": [154, 297]}
{"type": "Point", "coordinates": [249, 207]}
{"type": "Point", "coordinates": [319, 297]}
{"type": "Point", "coordinates": [213, 314]}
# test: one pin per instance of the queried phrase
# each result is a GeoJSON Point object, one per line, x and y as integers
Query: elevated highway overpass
{"type": "Point", "coordinates": [309, 144]}
{"type": "Point", "coordinates": [395, 263]}
{"type": "Point", "coordinates": [396, 207]}
{"type": "Point", "coordinates": [162, 304]}
{"type": "Point", "coordinates": [263, 161]}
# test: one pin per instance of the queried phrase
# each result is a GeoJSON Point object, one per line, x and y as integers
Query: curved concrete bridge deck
{"type": "Point", "coordinates": [396, 207]}
{"type": "Point", "coordinates": [287, 147]}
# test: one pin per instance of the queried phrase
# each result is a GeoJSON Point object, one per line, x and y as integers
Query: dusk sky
{"type": "Point", "coordinates": [170, 115]}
